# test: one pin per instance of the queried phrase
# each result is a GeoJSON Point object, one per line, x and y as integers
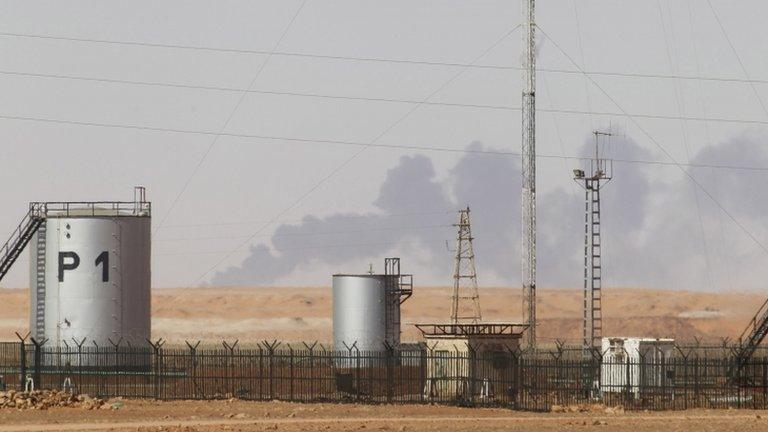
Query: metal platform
{"type": "Point", "coordinates": [57, 209]}
{"type": "Point", "coordinates": [474, 330]}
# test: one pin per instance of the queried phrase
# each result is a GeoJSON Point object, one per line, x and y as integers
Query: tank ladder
{"type": "Point", "coordinates": [40, 282]}
{"type": "Point", "coordinates": [596, 291]}
{"type": "Point", "coordinates": [20, 237]}
{"type": "Point", "coordinates": [399, 288]}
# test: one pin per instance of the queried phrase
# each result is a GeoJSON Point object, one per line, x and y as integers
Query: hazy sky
{"type": "Point", "coordinates": [660, 229]}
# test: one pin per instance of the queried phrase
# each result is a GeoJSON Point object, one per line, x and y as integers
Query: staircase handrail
{"type": "Point", "coordinates": [752, 326]}
{"type": "Point", "coordinates": [5, 250]}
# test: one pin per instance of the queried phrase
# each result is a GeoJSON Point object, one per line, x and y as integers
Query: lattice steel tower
{"type": "Point", "coordinates": [528, 254]}
{"type": "Point", "coordinates": [465, 307]}
{"type": "Point", "coordinates": [598, 173]}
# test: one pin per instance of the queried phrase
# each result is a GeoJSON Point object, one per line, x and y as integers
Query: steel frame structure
{"type": "Point", "coordinates": [465, 301]}
{"type": "Point", "coordinates": [600, 173]}
{"type": "Point", "coordinates": [528, 255]}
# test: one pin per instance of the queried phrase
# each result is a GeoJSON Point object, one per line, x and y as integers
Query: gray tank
{"type": "Point", "coordinates": [366, 308]}
{"type": "Point", "coordinates": [90, 273]}
{"type": "Point", "coordinates": [360, 306]}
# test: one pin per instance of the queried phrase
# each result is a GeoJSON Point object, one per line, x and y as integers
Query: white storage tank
{"type": "Point", "coordinates": [90, 273]}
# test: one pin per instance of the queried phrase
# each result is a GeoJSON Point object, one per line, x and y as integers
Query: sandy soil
{"type": "Point", "coordinates": [304, 313]}
{"type": "Point", "coordinates": [189, 416]}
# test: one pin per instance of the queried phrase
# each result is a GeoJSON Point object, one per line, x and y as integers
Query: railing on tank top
{"type": "Point", "coordinates": [91, 208]}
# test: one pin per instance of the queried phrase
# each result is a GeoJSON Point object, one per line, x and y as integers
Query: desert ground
{"type": "Point", "coordinates": [304, 313]}
{"type": "Point", "coordinates": [194, 416]}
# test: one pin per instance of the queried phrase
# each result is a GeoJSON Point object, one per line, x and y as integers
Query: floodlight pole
{"type": "Point", "coordinates": [598, 173]}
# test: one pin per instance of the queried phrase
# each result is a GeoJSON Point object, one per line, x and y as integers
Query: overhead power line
{"type": "Point", "coordinates": [229, 118]}
{"type": "Point", "coordinates": [376, 59]}
{"type": "Point", "coordinates": [355, 155]}
{"type": "Point", "coordinates": [330, 246]}
{"type": "Point", "coordinates": [362, 144]}
{"type": "Point", "coordinates": [679, 165]}
{"type": "Point", "coordinates": [738, 58]}
{"type": "Point", "coordinates": [496, 107]}
{"type": "Point", "coordinates": [308, 234]}
{"type": "Point", "coordinates": [248, 91]}
{"type": "Point", "coordinates": [335, 216]}
{"type": "Point", "coordinates": [380, 99]}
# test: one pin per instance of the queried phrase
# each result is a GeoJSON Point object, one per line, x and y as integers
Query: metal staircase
{"type": "Point", "coordinates": [13, 248]}
{"type": "Point", "coordinates": [751, 338]}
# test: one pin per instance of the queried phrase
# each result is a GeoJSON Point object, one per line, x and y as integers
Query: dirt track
{"type": "Point", "coordinates": [192, 416]}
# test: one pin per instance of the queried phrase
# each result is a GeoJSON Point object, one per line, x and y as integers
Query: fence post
{"type": "Point", "coordinates": [696, 378]}
{"type": "Point", "coordinates": [99, 374]}
{"type": "Point", "coordinates": [271, 346]}
{"type": "Point", "coordinates": [598, 356]}
{"type": "Point", "coordinates": [311, 349]}
{"type": "Point", "coordinates": [230, 366]}
{"type": "Point", "coordinates": [38, 359]}
{"type": "Point", "coordinates": [628, 377]}
{"type": "Point", "coordinates": [261, 372]}
{"type": "Point", "coordinates": [290, 366]}
{"type": "Point", "coordinates": [519, 378]}
{"type": "Point", "coordinates": [357, 372]}
{"type": "Point", "coordinates": [664, 376]}
{"type": "Point", "coordinates": [193, 359]}
{"type": "Point", "coordinates": [390, 357]}
{"type": "Point", "coordinates": [457, 373]}
{"type": "Point", "coordinates": [22, 358]}
{"type": "Point", "coordinates": [765, 380]}
{"type": "Point", "coordinates": [425, 357]}
{"type": "Point", "coordinates": [686, 376]}
{"type": "Point", "coordinates": [116, 346]}
{"type": "Point", "coordinates": [326, 356]}
{"type": "Point", "coordinates": [156, 347]}
{"type": "Point", "coordinates": [511, 385]}
{"type": "Point", "coordinates": [473, 364]}
{"type": "Point", "coordinates": [79, 363]}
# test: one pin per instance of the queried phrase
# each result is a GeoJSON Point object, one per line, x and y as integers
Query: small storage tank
{"type": "Point", "coordinates": [90, 273]}
{"type": "Point", "coordinates": [360, 313]}
{"type": "Point", "coordinates": [366, 308]}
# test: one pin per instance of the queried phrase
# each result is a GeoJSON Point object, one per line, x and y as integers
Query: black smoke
{"type": "Point", "coordinates": [659, 230]}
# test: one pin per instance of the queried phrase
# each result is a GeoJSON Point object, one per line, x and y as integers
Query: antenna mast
{"type": "Point", "coordinates": [529, 172]}
{"type": "Point", "coordinates": [465, 276]}
{"type": "Point", "coordinates": [600, 172]}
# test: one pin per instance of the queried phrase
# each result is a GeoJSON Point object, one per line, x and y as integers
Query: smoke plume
{"type": "Point", "coordinates": [659, 230]}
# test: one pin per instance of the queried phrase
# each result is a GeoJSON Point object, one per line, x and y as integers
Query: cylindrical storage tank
{"type": "Point", "coordinates": [90, 277]}
{"type": "Point", "coordinates": [366, 312]}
